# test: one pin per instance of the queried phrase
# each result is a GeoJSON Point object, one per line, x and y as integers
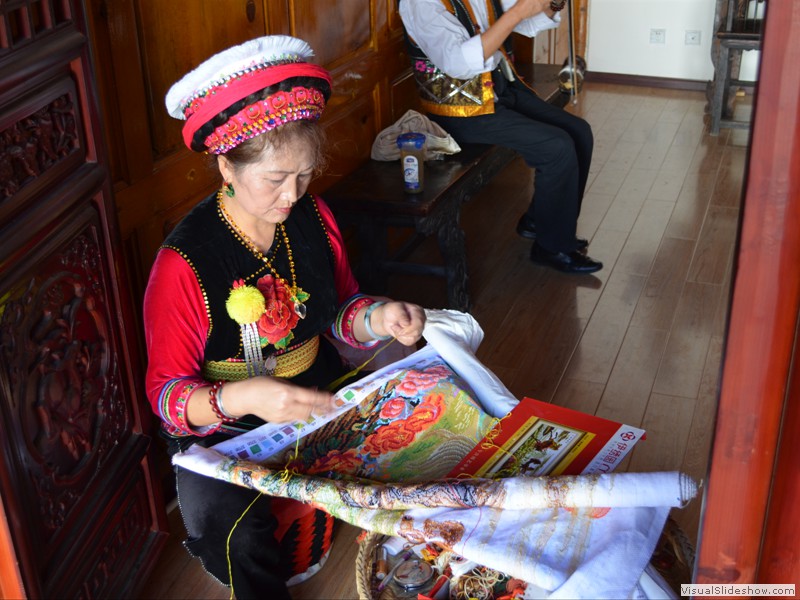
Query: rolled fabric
{"type": "Point", "coordinates": [561, 548]}
{"type": "Point", "coordinates": [670, 488]}
{"type": "Point", "coordinates": [608, 490]}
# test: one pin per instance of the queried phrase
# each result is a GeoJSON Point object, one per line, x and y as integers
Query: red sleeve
{"type": "Point", "coordinates": [176, 326]}
{"type": "Point", "coordinates": [350, 300]}
{"type": "Point", "coordinates": [346, 284]}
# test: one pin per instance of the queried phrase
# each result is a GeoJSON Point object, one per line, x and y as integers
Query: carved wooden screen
{"type": "Point", "coordinates": [77, 517]}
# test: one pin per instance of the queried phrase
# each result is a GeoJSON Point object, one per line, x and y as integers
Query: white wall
{"type": "Point", "coordinates": [619, 38]}
{"type": "Point", "coordinates": [748, 69]}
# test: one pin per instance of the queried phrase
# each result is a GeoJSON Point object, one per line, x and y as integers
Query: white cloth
{"type": "Point", "coordinates": [456, 337]}
{"type": "Point", "coordinates": [438, 142]}
{"type": "Point", "coordinates": [449, 46]}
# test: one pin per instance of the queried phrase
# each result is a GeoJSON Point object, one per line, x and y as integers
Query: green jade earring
{"type": "Point", "coordinates": [228, 187]}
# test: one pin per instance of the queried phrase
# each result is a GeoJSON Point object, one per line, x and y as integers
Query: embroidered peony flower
{"type": "Point", "coordinates": [393, 408]}
{"type": "Point", "coordinates": [389, 438]}
{"type": "Point", "coordinates": [415, 382]}
{"type": "Point", "coordinates": [426, 413]}
{"type": "Point", "coordinates": [400, 433]}
{"type": "Point", "coordinates": [275, 326]}
{"type": "Point", "coordinates": [346, 462]}
{"type": "Point", "coordinates": [408, 387]}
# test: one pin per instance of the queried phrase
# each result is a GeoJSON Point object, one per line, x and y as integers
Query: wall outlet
{"type": "Point", "coordinates": [658, 36]}
{"type": "Point", "coordinates": [692, 37]}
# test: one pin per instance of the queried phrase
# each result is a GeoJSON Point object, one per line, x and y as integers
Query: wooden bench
{"type": "Point", "coordinates": [372, 200]}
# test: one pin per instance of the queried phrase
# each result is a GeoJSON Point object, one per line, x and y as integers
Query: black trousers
{"type": "Point", "coordinates": [557, 144]}
{"type": "Point", "coordinates": [210, 508]}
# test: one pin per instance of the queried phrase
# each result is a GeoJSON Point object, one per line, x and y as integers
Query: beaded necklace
{"type": "Point", "coordinates": [297, 295]}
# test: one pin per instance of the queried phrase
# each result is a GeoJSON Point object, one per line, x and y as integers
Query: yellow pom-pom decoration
{"type": "Point", "coordinates": [245, 304]}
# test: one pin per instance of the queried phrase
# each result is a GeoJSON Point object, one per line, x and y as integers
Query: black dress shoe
{"type": "Point", "coordinates": [527, 228]}
{"type": "Point", "coordinates": [574, 262]}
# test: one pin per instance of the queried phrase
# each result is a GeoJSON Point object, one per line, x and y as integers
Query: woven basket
{"type": "Point", "coordinates": [673, 558]}
{"type": "Point", "coordinates": [365, 569]}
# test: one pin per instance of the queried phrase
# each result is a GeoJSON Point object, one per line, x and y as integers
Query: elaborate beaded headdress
{"type": "Point", "coordinates": [231, 76]}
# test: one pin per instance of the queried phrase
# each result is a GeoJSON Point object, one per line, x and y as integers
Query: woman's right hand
{"type": "Point", "coordinates": [275, 400]}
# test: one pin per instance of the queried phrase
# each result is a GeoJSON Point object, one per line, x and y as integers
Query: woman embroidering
{"type": "Point", "coordinates": [239, 296]}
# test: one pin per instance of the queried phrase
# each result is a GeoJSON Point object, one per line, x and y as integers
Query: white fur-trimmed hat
{"type": "Point", "coordinates": [234, 74]}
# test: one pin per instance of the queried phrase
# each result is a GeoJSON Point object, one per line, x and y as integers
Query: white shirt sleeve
{"type": "Point", "coordinates": [537, 23]}
{"type": "Point", "coordinates": [449, 45]}
{"type": "Point", "coordinates": [443, 38]}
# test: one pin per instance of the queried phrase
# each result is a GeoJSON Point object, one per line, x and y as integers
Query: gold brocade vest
{"type": "Point", "coordinates": [448, 96]}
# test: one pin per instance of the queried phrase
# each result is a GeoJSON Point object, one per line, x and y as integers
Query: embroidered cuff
{"type": "Point", "coordinates": [172, 407]}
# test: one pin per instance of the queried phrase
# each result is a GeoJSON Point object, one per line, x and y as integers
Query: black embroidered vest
{"type": "Point", "coordinates": [219, 259]}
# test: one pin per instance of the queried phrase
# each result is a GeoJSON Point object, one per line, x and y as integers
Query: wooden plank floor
{"type": "Point", "coordinates": [639, 342]}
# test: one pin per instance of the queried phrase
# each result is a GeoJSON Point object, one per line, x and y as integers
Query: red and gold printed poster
{"type": "Point", "coordinates": [537, 438]}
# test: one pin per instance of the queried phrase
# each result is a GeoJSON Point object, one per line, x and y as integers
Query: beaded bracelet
{"type": "Point", "coordinates": [215, 399]}
{"type": "Point", "coordinates": [556, 6]}
{"type": "Point", "coordinates": [343, 325]}
{"type": "Point", "coordinates": [368, 326]}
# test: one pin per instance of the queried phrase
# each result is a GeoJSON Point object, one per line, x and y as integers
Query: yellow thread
{"type": "Point", "coordinates": [357, 370]}
{"type": "Point", "coordinates": [286, 473]}
{"type": "Point", "coordinates": [488, 443]}
{"type": "Point", "coordinates": [228, 543]}
{"type": "Point", "coordinates": [478, 584]}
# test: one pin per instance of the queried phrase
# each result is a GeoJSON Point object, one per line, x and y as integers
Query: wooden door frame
{"type": "Point", "coordinates": [750, 523]}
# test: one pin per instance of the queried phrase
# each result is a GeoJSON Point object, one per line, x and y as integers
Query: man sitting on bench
{"type": "Point", "coordinates": [459, 53]}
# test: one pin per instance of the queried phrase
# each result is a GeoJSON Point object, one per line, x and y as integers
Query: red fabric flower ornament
{"type": "Point", "coordinates": [279, 318]}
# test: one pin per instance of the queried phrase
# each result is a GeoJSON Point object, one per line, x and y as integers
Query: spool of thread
{"type": "Point", "coordinates": [382, 565]}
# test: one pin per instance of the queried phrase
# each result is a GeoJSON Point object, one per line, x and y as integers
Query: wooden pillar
{"type": "Point", "coordinates": [752, 491]}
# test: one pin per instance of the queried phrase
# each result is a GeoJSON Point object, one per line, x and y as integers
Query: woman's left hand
{"type": "Point", "coordinates": [402, 320]}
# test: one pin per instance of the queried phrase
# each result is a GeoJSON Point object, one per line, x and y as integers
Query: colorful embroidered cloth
{"type": "Point", "coordinates": [547, 531]}
{"type": "Point", "coordinates": [416, 426]}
